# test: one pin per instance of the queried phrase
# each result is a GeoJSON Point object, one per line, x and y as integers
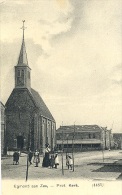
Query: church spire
{"type": "Point", "coordinates": [22, 61]}
{"type": "Point", "coordinates": [22, 70]}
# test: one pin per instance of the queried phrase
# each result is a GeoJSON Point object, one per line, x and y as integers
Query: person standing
{"type": "Point", "coordinates": [56, 160]}
{"type": "Point", "coordinates": [36, 157]}
{"type": "Point", "coordinates": [52, 161]}
{"type": "Point", "coordinates": [46, 160]}
{"type": "Point", "coordinates": [70, 162]}
{"type": "Point", "coordinates": [16, 157]}
{"type": "Point", "coordinates": [30, 157]}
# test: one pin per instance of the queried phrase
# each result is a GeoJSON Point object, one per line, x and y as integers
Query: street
{"type": "Point", "coordinates": [93, 165]}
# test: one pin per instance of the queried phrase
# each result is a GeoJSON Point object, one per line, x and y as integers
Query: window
{"type": "Point", "coordinates": [20, 77]}
{"type": "Point", "coordinates": [28, 74]}
{"type": "Point", "coordinates": [22, 74]}
{"type": "Point", "coordinates": [18, 74]}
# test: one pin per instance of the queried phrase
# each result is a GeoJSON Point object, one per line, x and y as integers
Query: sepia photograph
{"type": "Point", "coordinates": [61, 96]}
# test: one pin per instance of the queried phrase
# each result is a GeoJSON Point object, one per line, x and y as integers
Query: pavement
{"type": "Point", "coordinates": [94, 165]}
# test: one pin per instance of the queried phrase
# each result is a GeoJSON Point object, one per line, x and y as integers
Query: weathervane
{"type": "Point", "coordinates": [23, 27]}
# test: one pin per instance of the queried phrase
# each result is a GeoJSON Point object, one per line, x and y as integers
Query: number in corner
{"type": "Point", "coordinates": [97, 185]}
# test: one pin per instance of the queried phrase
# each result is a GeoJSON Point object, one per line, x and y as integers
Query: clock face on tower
{"type": "Point", "coordinates": [20, 77]}
{"type": "Point", "coordinates": [20, 81]}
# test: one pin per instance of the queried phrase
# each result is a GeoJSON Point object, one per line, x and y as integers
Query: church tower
{"type": "Point", "coordinates": [22, 70]}
{"type": "Point", "coordinates": [29, 123]}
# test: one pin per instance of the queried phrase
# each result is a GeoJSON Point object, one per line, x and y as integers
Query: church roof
{"type": "Point", "coordinates": [18, 98]}
{"type": "Point", "coordinates": [41, 105]}
{"type": "Point", "coordinates": [22, 61]}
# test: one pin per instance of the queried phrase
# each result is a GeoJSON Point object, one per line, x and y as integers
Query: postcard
{"type": "Point", "coordinates": [61, 97]}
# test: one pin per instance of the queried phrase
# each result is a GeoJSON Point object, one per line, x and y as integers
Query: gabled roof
{"type": "Point", "coordinates": [43, 109]}
{"type": "Point", "coordinates": [18, 96]}
{"type": "Point", "coordinates": [79, 128]}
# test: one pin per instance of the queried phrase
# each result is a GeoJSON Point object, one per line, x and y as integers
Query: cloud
{"type": "Point", "coordinates": [74, 16]}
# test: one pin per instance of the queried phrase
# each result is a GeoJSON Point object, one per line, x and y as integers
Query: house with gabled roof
{"type": "Point", "coordinates": [29, 123]}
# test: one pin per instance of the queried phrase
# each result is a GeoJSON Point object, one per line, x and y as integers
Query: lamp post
{"type": "Point", "coordinates": [29, 144]}
{"type": "Point", "coordinates": [67, 144]}
{"type": "Point", "coordinates": [109, 139]}
{"type": "Point", "coordinates": [103, 152]}
{"type": "Point", "coordinates": [27, 167]}
{"type": "Point", "coordinates": [73, 146]}
{"type": "Point", "coordinates": [103, 143]}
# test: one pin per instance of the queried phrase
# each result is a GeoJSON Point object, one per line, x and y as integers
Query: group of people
{"type": "Point", "coordinates": [36, 157]}
{"type": "Point", "coordinates": [50, 159]}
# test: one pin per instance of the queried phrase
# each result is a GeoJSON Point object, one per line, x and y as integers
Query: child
{"type": "Point", "coordinates": [67, 161]}
{"type": "Point", "coordinates": [36, 158]}
{"type": "Point", "coordinates": [16, 157]}
{"type": "Point", "coordinates": [52, 161]}
{"type": "Point", "coordinates": [56, 160]}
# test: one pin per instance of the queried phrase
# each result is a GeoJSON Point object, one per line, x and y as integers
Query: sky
{"type": "Point", "coordinates": [74, 49]}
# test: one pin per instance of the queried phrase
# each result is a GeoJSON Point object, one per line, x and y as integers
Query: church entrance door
{"type": "Point", "coordinates": [20, 142]}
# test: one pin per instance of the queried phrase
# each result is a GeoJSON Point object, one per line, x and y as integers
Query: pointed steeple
{"type": "Point", "coordinates": [22, 61]}
{"type": "Point", "coordinates": [22, 70]}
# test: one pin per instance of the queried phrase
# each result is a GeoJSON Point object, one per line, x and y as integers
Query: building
{"type": "Point", "coordinates": [2, 108]}
{"type": "Point", "coordinates": [117, 137]}
{"type": "Point", "coordinates": [83, 137]}
{"type": "Point", "coordinates": [108, 142]}
{"type": "Point", "coordinates": [29, 123]}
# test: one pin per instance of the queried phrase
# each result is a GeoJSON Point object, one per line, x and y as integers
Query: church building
{"type": "Point", "coordinates": [29, 123]}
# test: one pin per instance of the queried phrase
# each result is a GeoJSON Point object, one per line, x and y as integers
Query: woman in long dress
{"type": "Point", "coordinates": [46, 160]}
